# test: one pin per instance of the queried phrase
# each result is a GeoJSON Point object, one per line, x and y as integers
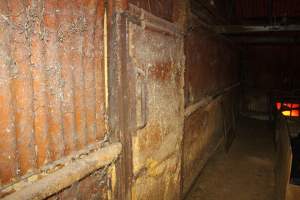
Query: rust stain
{"type": "Point", "coordinates": [89, 65]}
{"type": "Point", "coordinates": [54, 90]}
{"type": "Point", "coordinates": [161, 71]}
{"type": "Point", "coordinates": [156, 146]}
{"type": "Point", "coordinates": [8, 166]}
{"type": "Point", "coordinates": [152, 140]}
{"type": "Point", "coordinates": [66, 43]}
{"type": "Point", "coordinates": [99, 72]}
{"type": "Point", "coordinates": [23, 92]}
{"type": "Point", "coordinates": [40, 99]}
{"type": "Point", "coordinates": [79, 70]}
{"type": "Point", "coordinates": [51, 80]}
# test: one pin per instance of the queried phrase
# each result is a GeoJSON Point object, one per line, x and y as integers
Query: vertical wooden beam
{"type": "Point", "coordinates": [182, 7]}
{"type": "Point", "coordinates": [120, 99]}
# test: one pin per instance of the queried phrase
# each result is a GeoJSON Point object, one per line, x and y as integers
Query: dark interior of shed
{"type": "Point", "coordinates": [265, 34]}
{"type": "Point", "coordinates": [150, 99]}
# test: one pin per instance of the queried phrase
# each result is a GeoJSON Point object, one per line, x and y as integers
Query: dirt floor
{"type": "Point", "coordinates": [246, 172]}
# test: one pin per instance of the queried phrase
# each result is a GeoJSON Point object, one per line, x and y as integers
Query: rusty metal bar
{"type": "Point", "coordinates": [67, 175]}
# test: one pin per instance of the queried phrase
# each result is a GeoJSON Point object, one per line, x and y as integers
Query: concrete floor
{"type": "Point", "coordinates": [246, 172]}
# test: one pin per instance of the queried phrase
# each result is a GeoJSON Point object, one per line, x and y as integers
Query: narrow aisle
{"type": "Point", "coordinates": [246, 172]}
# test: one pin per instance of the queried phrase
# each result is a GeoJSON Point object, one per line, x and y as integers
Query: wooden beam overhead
{"type": "Point", "coordinates": [253, 40]}
{"type": "Point", "coordinates": [239, 29]}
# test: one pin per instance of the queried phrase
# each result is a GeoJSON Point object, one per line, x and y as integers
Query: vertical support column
{"type": "Point", "coordinates": [181, 14]}
{"type": "Point", "coordinates": [119, 94]}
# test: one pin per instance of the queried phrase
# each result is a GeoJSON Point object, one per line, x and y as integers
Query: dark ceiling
{"type": "Point", "coordinates": [250, 12]}
{"type": "Point", "coordinates": [268, 11]}
{"type": "Point", "coordinates": [252, 21]}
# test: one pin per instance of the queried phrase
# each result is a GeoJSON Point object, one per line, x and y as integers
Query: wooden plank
{"type": "Point", "coordinates": [119, 111]}
{"type": "Point", "coordinates": [238, 29]}
{"type": "Point", "coordinates": [69, 174]}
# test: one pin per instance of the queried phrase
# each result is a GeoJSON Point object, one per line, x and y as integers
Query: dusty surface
{"type": "Point", "coordinates": [245, 173]}
{"type": "Point", "coordinates": [159, 67]}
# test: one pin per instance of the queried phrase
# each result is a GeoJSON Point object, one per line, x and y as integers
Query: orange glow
{"type": "Point", "coordinates": [278, 105]}
{"type": "Point", "coordinates": [289, 113]}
